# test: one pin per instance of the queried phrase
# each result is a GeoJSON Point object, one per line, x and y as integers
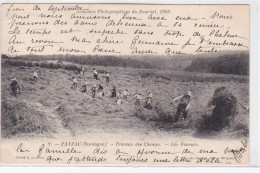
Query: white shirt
{"type": "Point", "coordinates": [138, 97]}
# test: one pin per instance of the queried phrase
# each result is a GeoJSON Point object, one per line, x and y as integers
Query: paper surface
{"type": "Point", "coordinates": [159, 51]}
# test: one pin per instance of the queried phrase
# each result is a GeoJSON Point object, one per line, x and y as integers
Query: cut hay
{"type": "Point", "coordinates": [223, 114]}
{"type": "Point", "coordinates": [19, 117]}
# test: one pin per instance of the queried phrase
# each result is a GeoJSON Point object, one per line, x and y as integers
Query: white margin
{"type": "Point", "coordinates": [254, 96]}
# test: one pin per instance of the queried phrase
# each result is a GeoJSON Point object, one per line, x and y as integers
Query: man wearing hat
{"type": "Point", "coordinates": [125, 94]}
{"type": "Point", "coordinates": [183, 106]}
{"type": "Point", "coordinates": [113, 94]}
{"type": "Point", "coordinates": [35, 76]}
{"type": "Point", "coordinates": [93, 89]}
{"type": "Point", "coordinates": [149, 95]}
{"type": "Point", "coordinates": [14, 86]}
{"type": "Point", "coordinates": [100, 88]}
{"type": "Point", "coordinates": [75, 83]}
{"type": "Point", "coordinates": [95, 73]}
{"type": "Point", "coordinates": [82, 70]}
{"type": "Point", "coordinates": [107, 76]}
{"type": "Point", "coordinates": [84, 87]}
{"type": "Point", "coordinates": [138, 99]}
{"type": "Point", "coordinates": [148, 103]}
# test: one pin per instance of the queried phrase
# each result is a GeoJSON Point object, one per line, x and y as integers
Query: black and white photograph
{"type": "Point", "coordinates": [73, 96]}
{"type": "Point", "coordinates": [130, 84]}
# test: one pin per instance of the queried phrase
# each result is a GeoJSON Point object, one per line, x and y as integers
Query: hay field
{"type": "Point", "coordinates": [50, 108]}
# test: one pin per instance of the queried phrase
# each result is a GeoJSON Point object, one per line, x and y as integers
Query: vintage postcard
{"type": "Point", "coordinates": [125, 84]}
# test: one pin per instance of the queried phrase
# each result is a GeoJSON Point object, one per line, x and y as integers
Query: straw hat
{"type": "Point", "coordinates": [14, 79]}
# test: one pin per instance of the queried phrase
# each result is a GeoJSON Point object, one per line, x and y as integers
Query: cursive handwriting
{"type": "Point", "coordinates": [238, 152]}
{"type": "Point", "coordinates": [20, 149]}
{"type": "Point", "coordinates": [81, 29]}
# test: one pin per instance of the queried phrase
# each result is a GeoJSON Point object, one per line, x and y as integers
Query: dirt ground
{"type": "Point", "coordinates": [75, 114]}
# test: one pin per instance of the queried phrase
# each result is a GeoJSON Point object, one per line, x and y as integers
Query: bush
{"type": "Point", "coordinates": [189, 77]}
{"type": "Point", "coordinates": [237, 64]}
{"type": "Point", "coordinates": [41, 64]}
{"type": "Point", "coordinates": [147, 74]}
{"type": "Point", "coordinates": [111, 61]}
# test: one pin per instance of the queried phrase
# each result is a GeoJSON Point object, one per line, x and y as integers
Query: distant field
{"type": "Point", "coordinates": [51, 108]}
{"type": "Point", "coordinates": [226, 62]}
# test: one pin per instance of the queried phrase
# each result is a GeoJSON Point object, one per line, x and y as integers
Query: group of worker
{"type": "Point", "coordinates": [120, 96]}
{"type": "Point", "coordinates": [94, 89]}
{"type": "Point", "coordinates": [182, 107]}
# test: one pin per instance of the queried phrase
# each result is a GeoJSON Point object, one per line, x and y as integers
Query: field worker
{"type": "Point", "coordinates": [84, 87]}
{"type": "Point", "coordinates": [76, 70]}
{"type": "Point", "coordinates": [125, 94]}
{"type": "Point", "coordinates": [14, 86]}
{"type": "Point", "coordinates": [149, 95]}
{"type": "Point", "coordinates": [82, 70]}
{"type": "Point", "coordinates": [95, 73]}
{"type": "Point", "coordinates": [113, 92]}
{"type": "Point", "coordinates": [148, 102]}
{"type": "Point", "coordinates": [100, 88]}
{"type": "Point", "coordinates": [107, 77]}
{"type": "Point", "coordinates": [35, 76]}
{"type": "Point", "coordinates": [138, 99]}
{"type": "Point", "coordinates": [93, 89]}
{"type": "Point", "coordinates": [183, 106]}
{"type": "Point", "coordinates": [135, 95]}
{"type": "Point", "coordinates": [75, 83]}
{"type": "Point", "coordinates": [38, 70]}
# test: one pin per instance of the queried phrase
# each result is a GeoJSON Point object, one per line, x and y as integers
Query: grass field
{"type": "Point", "coordinates": [51, 108]}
